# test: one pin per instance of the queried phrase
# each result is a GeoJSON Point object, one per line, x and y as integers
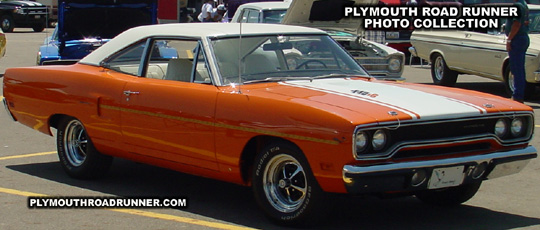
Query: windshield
{"type": "Point", "coordinates": [534, 21]}
{"type": "Point", "coordinates": [276, 58]}
{"type": "Point", "coordinates": [273, 16]}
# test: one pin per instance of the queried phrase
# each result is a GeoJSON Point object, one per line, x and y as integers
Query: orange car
{"type": "Point", "coordinates": [221, 101]}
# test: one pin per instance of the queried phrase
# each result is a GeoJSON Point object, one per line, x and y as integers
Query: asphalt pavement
{"type": "Point", "coordinates": [29, 167]}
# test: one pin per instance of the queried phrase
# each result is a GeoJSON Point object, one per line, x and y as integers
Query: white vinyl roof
{"type": "Point", "coordinates": [193, 30]}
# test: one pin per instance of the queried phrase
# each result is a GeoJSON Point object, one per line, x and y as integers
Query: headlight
{"type": "Point", "coordinates": [394, 65]}
{"type": "Point", "coordinates": [361, 140]}
{"type": "Point", "coordinates": [379, 140]}
{"type": "Point", "coordinates": [517, 127]}
{"type": "Point", "coordinates": [18, 10]}
{"type": "Point", "coordinates": [501, 128]}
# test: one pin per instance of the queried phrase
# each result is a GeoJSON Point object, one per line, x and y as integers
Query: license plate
{"type": "Point", "coordinates": [446, 177]}
{"type": "Point", "coordinates": [392, 35]}
{"type": "Point", "coordinates": [37, 16]}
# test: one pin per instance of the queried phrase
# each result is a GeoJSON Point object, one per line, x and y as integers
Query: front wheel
{"type": "Point", "coordinates": [440, 73]}
{"type": "Point", "coordinates": [449, 196]}
{"type": "Point", "coordinates": [284, 185]}
{"type": "Point", "coordinates": [76, 152]}
{"type": "Point", "coordinates": [6, 23]}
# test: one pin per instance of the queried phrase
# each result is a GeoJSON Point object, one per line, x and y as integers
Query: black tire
{"type": "Point", "coordinates": [6, 23]}
{"type": "Point", "coordinates": [39, 27]}
{"type": "Point", "coordinates": [440, 73]}
{"type": "Point", "coordinates": [449, 196]}
{"type": "Point", "coordinates": [509, 84]}
{"type": "Point", "coordinates": [76, 152]}
{"type": "Point", "coordinates": [284, 185]}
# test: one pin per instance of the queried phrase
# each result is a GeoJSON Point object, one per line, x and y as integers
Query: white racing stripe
{"type": "Point", "coordinates": [415, 103]}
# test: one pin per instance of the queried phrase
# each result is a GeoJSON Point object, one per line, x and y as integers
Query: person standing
{"type": "Point", "coordinates": [206, 11]}
{"type": "Point", "coordinates": [517, 42]}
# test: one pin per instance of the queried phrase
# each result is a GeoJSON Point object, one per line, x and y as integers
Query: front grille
{"type": "Point", "coordinates": [437, 151]}
{"type": "Point", "coordinates": [443, 137]}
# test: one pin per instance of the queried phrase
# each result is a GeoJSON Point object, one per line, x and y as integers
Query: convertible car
{"type": "Point", "coordinates": [480, 52]}
{"type": "Point", "coordinates": [221, 101]}
{"type": "Point", "coordinates": [379, 60]}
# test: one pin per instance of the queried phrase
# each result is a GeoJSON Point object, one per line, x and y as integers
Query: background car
{"type": "Point", "coordinates": [480, 52]}
{"type": "Point", "coordinates": [220, 100]}
{"type": "Point", "coordinates": [25, 14]}
{"type": "Point", "coordinates": [379, 60]}
{"type": "Point", "coordinates": [84, 27]}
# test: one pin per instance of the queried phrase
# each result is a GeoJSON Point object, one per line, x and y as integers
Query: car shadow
{"type": "Point", "coordinates": [235, 204]}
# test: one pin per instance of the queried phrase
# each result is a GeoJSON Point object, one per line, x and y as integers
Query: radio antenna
{"type": "Point", "coordinates": [240, 60]}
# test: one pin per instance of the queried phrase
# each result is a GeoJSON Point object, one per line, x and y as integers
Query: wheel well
{"type": "Point", "coordinates": [433, 54]}
{"type": "Point", "coordinates": [252, 148]}
{"type": "Point", "coordinates": [505, 64]}
{"type": "Point", "coordinates": [54, 120]}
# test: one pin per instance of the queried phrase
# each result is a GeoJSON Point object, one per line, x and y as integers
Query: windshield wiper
{"type": "Point", "coordinates": [278, 79]}
{"type": "Point", "coordinates": [272, 79]}
{"type": "Point", "coordinates": [337, 75]}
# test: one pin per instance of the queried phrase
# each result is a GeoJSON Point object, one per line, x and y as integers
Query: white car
{"type": "Point", "coordinates": [379, 60]}
{"type": "Point", "coordinates": [477, 52]}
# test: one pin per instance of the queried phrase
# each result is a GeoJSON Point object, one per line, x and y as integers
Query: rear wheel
{"type": "Point", "coordinates": [76, 152]}
{"type": "Point", "coordinates": [509, 84]}
{"type": "Point", "coordinates": [284, 185]}
{"type": "Point", "coordinates": [440, 73]}
{"type": "Point", "coordinates": [39, 27]}
{"type": "Point", "coordinates": [449, 196]}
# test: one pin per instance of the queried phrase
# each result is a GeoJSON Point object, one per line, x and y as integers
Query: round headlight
{"type": "Point", "coordinates": [379, 140]}
{"type": "Point", "coordinates": [394, 65]}
{"type": "Point", "coordinates": [361, 141]}
{"type": "Point", "coordinates": [501, 128]}
{"type": "Point", "coordinates": [517, 127]}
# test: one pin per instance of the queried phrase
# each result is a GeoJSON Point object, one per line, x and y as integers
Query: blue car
{"type": "Point", "coordinates": [83, 27]}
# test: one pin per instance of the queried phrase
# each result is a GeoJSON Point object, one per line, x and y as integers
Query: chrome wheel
{"type": "Point", "coordinates": [511, 85]}
{"type": "Point", "coordinates": [6, 23]}
{"type": "Point", "coordinates": [285, 183]}
{"type": "Point", "coordinates": [75, 143]}
{"type": "Point", "coordinates": [439, 68]}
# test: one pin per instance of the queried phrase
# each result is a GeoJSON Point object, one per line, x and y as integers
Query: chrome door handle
{"type": "Point", "coordinates": [129, 92]}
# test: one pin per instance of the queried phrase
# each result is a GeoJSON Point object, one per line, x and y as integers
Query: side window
{"type": "Point", "coordinates": [253, 16]}
{"type": "Point", "coordinates": [244, 16]}
{"type": "Point", "coordinates": [171, 59]}
{"type": "Point", "coordinates": [202, 75]}
{"type": "Point", "coordinates": [129, 60]}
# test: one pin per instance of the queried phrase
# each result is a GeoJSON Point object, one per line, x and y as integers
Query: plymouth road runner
{"type": "Point", "coordinates": [220, 101]}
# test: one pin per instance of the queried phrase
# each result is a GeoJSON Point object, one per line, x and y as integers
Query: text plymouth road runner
{"type": "Point", "coordinates": [220, 101]}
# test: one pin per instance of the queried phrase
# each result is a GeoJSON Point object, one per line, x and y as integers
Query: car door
{"type": "Point", "coordinates": [484, 52]}
{"type": "Point", "coordinates": [168, 105]}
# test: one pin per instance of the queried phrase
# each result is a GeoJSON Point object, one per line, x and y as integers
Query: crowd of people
{"type": "Point", "coordinates": [209, 13]}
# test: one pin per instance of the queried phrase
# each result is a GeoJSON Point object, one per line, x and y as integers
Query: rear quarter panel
{"type": "Point", "coordinates": [36, 94]}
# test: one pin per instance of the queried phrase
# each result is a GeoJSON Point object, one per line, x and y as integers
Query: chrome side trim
{"type": "Point", "coordinates": [523, 154]}
{"type": "Point", "coordinates": [7, 109]}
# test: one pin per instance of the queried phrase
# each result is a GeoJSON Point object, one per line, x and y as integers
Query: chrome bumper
{"type": "Point", "coordinates": [395, 176]}
{"type": "Point", "coordinates": [7, 109]}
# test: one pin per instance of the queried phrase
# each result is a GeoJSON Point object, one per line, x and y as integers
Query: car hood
{"type": "Point", "coordinates": [21, 3]}
{"type": "Point", "coordinates": [359, 100]}
{"type": "Point", "coordinates": [326, 15]}
{"type": "Point", "coordinates": [79, 19]}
